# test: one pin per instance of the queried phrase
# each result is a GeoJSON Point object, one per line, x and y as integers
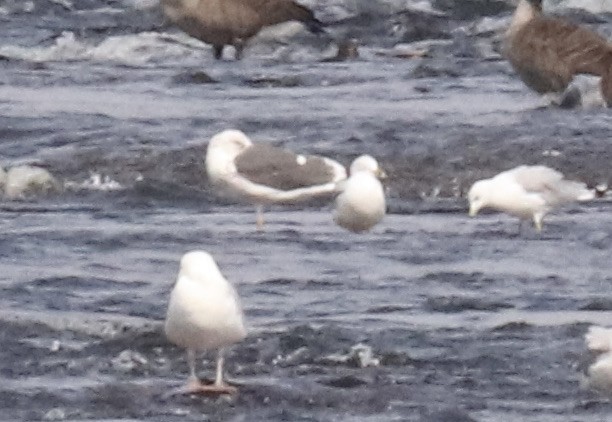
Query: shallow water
{"type": "Point", "coordinates": [466, 320]}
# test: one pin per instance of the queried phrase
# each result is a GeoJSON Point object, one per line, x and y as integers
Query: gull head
{"type": "Point", "coordinates": [199, 266]}
{"type": "Point", "coordinates": [478, 196]}
{"type": "Point", "coordinates": [232, 142]}
{"type": "Point", "coordinates": [222, 150]}
{"type": "Point", "coordinates": [367, 163]}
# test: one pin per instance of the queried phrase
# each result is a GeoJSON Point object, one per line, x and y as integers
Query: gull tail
{"type": "Point", "coordinates": [599, 339]}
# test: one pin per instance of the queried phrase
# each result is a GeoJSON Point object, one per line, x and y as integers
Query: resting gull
{"type": "Point", "coordinates": [361, 204]}
{"type": "Point", "coordinates": [24, 180]}
{"type": "Point", "coordinates": [548, 52]}
{"type": "Point", "coordinates": [234, 22]}
{"type": "Point", "coordinates": [526, 192]}
{"type": "Point", "coordinates": [204, 313]}
{"type": "Point", "coordinates": [599, 373]}
{"type": "Point", "coordinates": [262, 174]}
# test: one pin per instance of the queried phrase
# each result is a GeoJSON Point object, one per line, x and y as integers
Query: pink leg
{"type": "Point", "coordinates": [195, 386]}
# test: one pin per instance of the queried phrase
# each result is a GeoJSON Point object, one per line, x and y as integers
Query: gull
{"type": "Point", "coordinates": [526, 192]}
{"type": "Point", "coordinates": [262, 174]}
{"type": "Point", "coordinates": [23, 180]}
{"type": "Point", "coordinates": [599, 373]}
{"type": "Point", "coordinates": [361, 204]}
{"type": "Point", "coordinates": [204, 313]}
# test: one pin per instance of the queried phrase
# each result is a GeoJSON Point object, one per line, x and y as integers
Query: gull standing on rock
{"type": "Point", "coordinates": [234, 22]}
{"type": "Point", "coordinates": [204, 313]}
{"type": "Point", "coordinates": [262, 174]}
{"type": "Point", "coordinates": [548, 52]}
{"type": "Point", "coordinates": [526, 192]}
{"type": "Point", "coordinates": [361, 204]}
{"type": "Point", "coordinates": [599, 374]}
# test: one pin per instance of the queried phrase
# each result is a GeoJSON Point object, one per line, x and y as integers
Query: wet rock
{"type": "Point", "coordinates": [470, 9]}
{"type": "Point", "coordinates": [598, 304]}
{"type": "Point", "coordinates": [435, 70]}
{"type": "Point", "coordinates": [387, 309]}
{"type": "Point", "coordinates": [396, 359]}
{"type": "Point", "coordinates": [451, 304]}
{"type": "Point", "coordinates": [448, 415]}
{"type": "Point", "coordinates": [599, 240]}
{"type": "Point", "coordinates": [55, 346]}
{"type": "Point", "coordinates": [198, 78]}
{"type": "Point", "coordinates": [346, 50]}
{"type": "Point", "coordinates": [56, 414]}
{"type": "Point", "coordinates": [411, 25]}
{"type": "Point", "coordinates": [297, 357]}
{"type": "Point", "coordinates": [360, 356]}
{"type": "Point", "coordinates": [275, 82]}
{"type": "Point", "coordinates": [278, 282]}
{"type": "Point", "coordinates": [128, 361]}
{"type": "Point", "coordinates": [27, 180]}
{"type": "Point", "coordinates": [348, 381]}
{"type": "Point", "coordinates": [95, 182]}
{"type": "Point", "coordinates": [319, 342]}
{"type": "Point", "coordinates": [513, 326]}
{"type": "Point", "coordinates": [406, 51]}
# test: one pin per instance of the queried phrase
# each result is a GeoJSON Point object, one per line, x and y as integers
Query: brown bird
{"type": "Point", "coordinates": [234, 22]}
{"type": "Point", "coordinates": [548, 52]}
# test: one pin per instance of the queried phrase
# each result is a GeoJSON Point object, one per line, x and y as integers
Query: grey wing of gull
{"type": "Point", "coordinates": [281, 169]}
{"type": "Point", "coordinates": [551, 184]}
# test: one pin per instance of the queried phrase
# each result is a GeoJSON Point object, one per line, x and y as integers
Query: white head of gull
{"type": "Point", "coordinates": [599, 373]}
{"type": "Point", "coordinates": [204, 313]}
{"type": "Point", "coordinates": [361, 204]}
{"type": "Point", "coordinates": [263, 174]}
{"type": "Point", "coordinates": [526, 192]}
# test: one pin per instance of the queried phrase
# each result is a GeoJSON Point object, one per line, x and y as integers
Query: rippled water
{"type": "Point", "coordinates": [467, 320]}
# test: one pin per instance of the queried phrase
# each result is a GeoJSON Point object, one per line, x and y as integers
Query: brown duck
{"type": "Point", "coordinates": [547, 52]}
{"type": "Point", "coordinates": [234, 22]}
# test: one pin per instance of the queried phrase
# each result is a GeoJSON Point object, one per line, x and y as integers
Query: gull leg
{"type": "Point", "coordinates": [195, 386]}
{"type": "Point", "coordinates": [193, 382]}
{"type": "Point", "coordinates": [537, 221]}
{"type": "Point", "coordinates": [260, 218]}
{"type": "Point", "coordinates": [220, 361]}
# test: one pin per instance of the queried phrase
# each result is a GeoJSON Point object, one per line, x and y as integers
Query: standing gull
{"type": "Point", "coordinates": [599, 373]}
{"type": "Point", "coordinates": [526, 192]}
{"type": "Point", "coordinates": [548, 52]}
{"type": "Point", "coordinates": [234, 22]}
{"type": "Point", "coordinates": [204, 313]}
{"type": "Point", "coordinates": [361, 204]}
{"type": "Point", "coordinates": [263, 174]}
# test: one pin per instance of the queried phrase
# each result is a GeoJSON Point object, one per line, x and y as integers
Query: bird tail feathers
{"type": "Point", "coordinates": [599, 339]}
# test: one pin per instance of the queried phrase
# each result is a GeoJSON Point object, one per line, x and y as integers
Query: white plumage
{"type": "Point", "coordinates": [599, 374]}
{"type": "Point", "coordinates": [361, 204]}
{"type": "Point", "coordinates": [204, 313]}
{"type": "Point", "coordinates": [263, 174]}
{"type": "Point", "coordinates": [526, 192]}
{"type": "Point", "coordinates": [19, 181]}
